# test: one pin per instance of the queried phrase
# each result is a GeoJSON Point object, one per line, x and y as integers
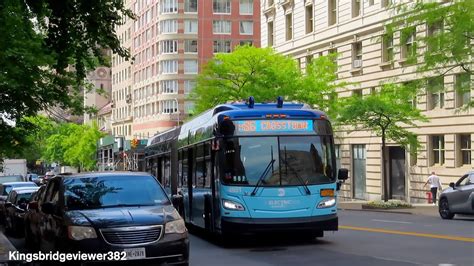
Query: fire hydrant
{"type": "Point", "coordinates": [430, 197]}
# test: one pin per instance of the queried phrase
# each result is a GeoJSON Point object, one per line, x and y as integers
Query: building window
{"type": "Point", "coordinates": [356, 7]}
{"type": "Point", "coordinates": [371, 2]}
{"type": "Point", "coordinates": [463, 89]}
{"type": "Point", "coordinates": [246, 7]}
{"type": "Point", "coordinates": [189, 85]}
{"type": "Point", "coordinates": [169, 106]}
{"type": "Point", "coordinates": [169, 66]}
{"type": "Point", "coordinates": [289, 26]}
{"type": "Point", "coordinates": [169, 86]}
{"type": "Point", "coordinates": [222, 46]}
{"type": "Point", "coordinates": [190, 66]}
{"type": "Point", "coordinates": [437, 150]}
{"type": "Point", "coordinates": [169, 47]}
{"type": "Point", "coordinates": [190, 46]}
{"type": "Point", "coordinates": [434, 31]}
{"type": "Point", "coordinates": [189, 107]}
{"type": "Point", "coordinates": [386, 3]}
{"type": "Point", "coordinates": [357, 55]}
{"type": "Point", "coordinates": [309, 59]}
{"type": "Point", "coordinates": [246, 42]}
{"type": "Point", "coordinates": [337, 149]}
{"type": "Point", "coordinates": [408, 39]}
{"type": "Point", "coordinates": [221, 27]}
{"type": "Point", "coordinates": [246, 27]}
{"type": "Point", "coordinates": [436, 92]}
{"type": "Point", "coordinates": [190, 26]}
{"type": "Point", "coordinates": [387, 48]}
{"type": "Point", "coordinates": [309, 19]}
{"type": "Point", "coordinates": [221, 6]}
{"type": "Point", "coordinates": [190, 6]}
{"type": "Point", "coordinates": [270, 33]}
{"type": "Point", "coordinates": [357, 93]}
{"type": "Point", "coordinates": [332, 12]}
{"type": "Point", "coordinates": [169, 6]}
{"type": "Point", "coordinates": [464, 151]}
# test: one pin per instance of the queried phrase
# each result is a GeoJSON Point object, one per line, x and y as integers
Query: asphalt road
{"type": "Point", "coordinates": [364, 238]}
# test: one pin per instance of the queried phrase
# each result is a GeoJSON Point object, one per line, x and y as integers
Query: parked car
{"type": "Point", "coordinates": [15, 208]}
{"type": "Point", "coordinates": [458, 198]}
{"type": "Point", "coordinates": [32, 217]}
{"type": "Point", "coordinates": [33, 178]}
{"type": "Point", "coordinates": [11, 178]}
{"type": "Point", "coordinates": [5, 189]}
{"type": "Point", "coordinates": [116, 211]}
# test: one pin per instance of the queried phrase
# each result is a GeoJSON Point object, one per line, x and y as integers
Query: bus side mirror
{"type": "Point", "coordinates": [343, 174]}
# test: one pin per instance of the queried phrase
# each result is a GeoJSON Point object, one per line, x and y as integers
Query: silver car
{"type": "Point", "coordinates": [458, 198]}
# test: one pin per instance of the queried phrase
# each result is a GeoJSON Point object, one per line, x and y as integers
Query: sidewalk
{"type": "Point", "coordinates": [418, 209]}
{"type": "Point", "coordinates": [5, 247]}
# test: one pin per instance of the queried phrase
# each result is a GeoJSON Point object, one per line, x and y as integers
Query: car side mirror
{"type": "Point", "coordinates": [343, 174]}
{"type": "Point", "coordinates": [47, 208]}
{"type": "Point", "coordinates": [33, 205]}
{"type": "Point", "coordinates": [8, 204]}
{"type": "Point", "coordinates": [452, 185]}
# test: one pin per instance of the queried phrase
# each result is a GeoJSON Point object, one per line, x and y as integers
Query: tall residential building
{"type": "Point", "coordinates": [353, 28]}
{"type": "Point", "coordinates": [170, 41]}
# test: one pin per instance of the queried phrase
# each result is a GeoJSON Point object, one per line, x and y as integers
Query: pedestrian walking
{"type": "Point", "coordinates": [435, 185]}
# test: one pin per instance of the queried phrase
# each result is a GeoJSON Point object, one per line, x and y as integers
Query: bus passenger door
{"type": "Point", "coordinates": [186, 188]}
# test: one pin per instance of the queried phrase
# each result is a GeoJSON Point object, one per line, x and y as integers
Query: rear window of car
{"type": "Point", "coordinates": [113, 191]}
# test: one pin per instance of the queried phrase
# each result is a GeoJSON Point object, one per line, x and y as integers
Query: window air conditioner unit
{"type": "Point", "coordinates": [357, 63]}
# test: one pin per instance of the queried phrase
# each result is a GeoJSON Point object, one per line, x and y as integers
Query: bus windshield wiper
{"type": "Point", "coordinates": [260, 179]}
{"type": "Point", "coordinates": [303, 182]}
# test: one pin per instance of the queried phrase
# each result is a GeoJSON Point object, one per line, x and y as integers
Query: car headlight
{"type": "Point", "coordinates": [327, 203]}
{"type": "Point", "coordinates": [175, 227]}
{"type": "Point", "coordinates": [81, 232]}
{"type": "Point", "coordinates": [231, 205]}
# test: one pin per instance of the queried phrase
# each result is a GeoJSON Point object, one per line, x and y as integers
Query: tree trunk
{"type": "Point", "coordinates": [384, 172]}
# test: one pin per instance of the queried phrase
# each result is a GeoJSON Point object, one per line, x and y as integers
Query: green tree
{"type": "Point", "coordinates": [73, 145]}
{"type": "Point", "coordinates": [386, 113]}
{"type": "Point", "coordinates": [318, 87]}
{"type": "Point", "coordinates": [45, 51]}
{"type": "Point", "coordinates": [247, 71]}
{"type": "Point", "coordinates": [264, 74]}
{"type": "Point", "coordinates": [450, 32]}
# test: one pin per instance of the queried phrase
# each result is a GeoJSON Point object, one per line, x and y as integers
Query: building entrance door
{"type": "Point", "coordinates": [359, 171]}
{"type": "Point", "coordinates": [397, 172]}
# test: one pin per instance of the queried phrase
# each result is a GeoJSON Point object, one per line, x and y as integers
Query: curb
{"type": "Point", "coordinates": [375, 210]}
{"type": "Point", "coordinates": [5, 247]}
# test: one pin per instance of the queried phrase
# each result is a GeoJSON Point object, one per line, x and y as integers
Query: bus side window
{"type": "Point", "coordinates": [200, 170]}
{"type": "Point", "coordinates": [180, 168]}
{"type": "Point", "coordinates": [167, 172]}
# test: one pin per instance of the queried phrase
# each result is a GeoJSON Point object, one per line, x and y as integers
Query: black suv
{"type": "Point", "coordinates": [112, 211]}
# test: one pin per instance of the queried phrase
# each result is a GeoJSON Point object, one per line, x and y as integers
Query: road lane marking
{"type": "Point", "coordinates": [395, 232]}
{"type": "Point", "coordinates": [388, 221]}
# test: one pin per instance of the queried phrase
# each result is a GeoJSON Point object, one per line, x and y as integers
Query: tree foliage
{"type": "Point", "coordinates": [450, 34]}
{"type": "Point", "coordinates": [264, 74]}
{"type": "Point", "coordinates": [387, 114]}
{"type": "Point", "coordinates": [45, 51]}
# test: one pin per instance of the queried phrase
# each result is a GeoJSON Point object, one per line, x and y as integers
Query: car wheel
{"type": "Point", "coordinates": [444, 211]}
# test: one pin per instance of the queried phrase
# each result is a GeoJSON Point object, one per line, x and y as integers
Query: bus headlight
{"type": "Point", "coordinates": [231, 205]}
{"type": "Point", "coordinates": [327, 203]}
{"type": "Point", "coordinates": [175, 227]}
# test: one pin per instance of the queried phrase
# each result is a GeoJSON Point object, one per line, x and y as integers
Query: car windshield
{"type": "Point", "coordinates": [291, 160]}
{"type": "Point", "coordinates": [23, 198]}
{"type": "Point", "coordinates": [9, 188]}
{"type": "Point", "coordinates": [113, 191]}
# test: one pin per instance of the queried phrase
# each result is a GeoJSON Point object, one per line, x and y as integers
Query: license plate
{"type": "Point", "coordinates": [135, 253]}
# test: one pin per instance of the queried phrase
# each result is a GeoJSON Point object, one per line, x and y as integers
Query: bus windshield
{"type": "Point", "coordinates": [291, 160]}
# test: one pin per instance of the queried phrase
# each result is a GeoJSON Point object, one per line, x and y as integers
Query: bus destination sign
{"type": "Point", "coordinates": [269, 126]}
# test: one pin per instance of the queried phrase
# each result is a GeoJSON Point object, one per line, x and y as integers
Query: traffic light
{"type": "Point", "coordinates": [134, 143]}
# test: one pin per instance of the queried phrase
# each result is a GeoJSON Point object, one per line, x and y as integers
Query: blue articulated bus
{"type": "Point", "coordinates": [250, 168]}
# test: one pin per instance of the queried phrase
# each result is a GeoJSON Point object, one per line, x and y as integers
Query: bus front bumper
{"type": "Point", "coordinates": [261, 225]}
